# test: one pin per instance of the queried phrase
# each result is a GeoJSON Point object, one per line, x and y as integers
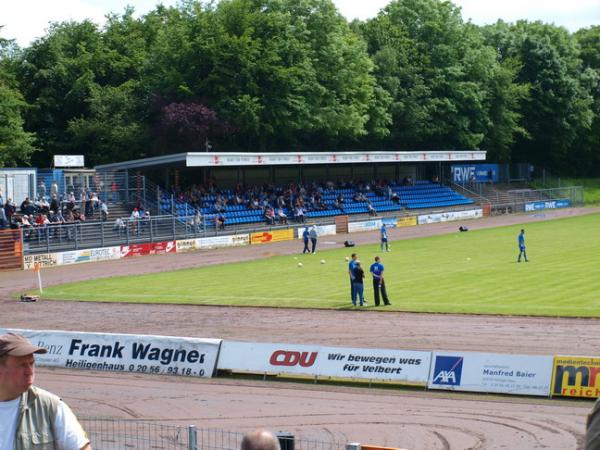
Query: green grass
{"type": "Point", "coordinates": [474, 272]}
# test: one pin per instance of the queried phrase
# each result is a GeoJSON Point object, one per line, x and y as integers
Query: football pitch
{"type": "Point", "coordinates": [473, 273]}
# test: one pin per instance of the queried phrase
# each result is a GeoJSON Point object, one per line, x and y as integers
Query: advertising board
{"type": "Point", "coordinates": [322, 230]}
{"type": "Point", "coordinates": [406, 221]}
{"type": "Point", "coordinates": [163, 355]}
{"type": "Point", "coordinates": [150, 248]}
{"type": "Point", "coordinates": [489, 372]}
{"type": "Point", "coordinates": [369, 225]}
{"type": "Point", "coordinates": [315, 360]}
{"type": "Point", "coordinates": [550, 204]}
{"type": "Point", "coordinates": [576, 376]}
{"type": "Point", "coordinates": [465, 173]}
{"type": "Point", "coordinates": [271, 236]}
{"type": "Point", "coordinates": [43, 259]}
{"type": "Point", "coordinates": [450, 216]}
{"type": "Point", "coordinates": [235, 240]}
{"type": "Point", "coordinates": [89, 255]}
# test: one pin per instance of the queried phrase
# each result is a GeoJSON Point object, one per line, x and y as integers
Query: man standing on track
{"type": "Point", "coordinates": [522, 251]}
{"type": "Point", "coordinates": [378, 282]}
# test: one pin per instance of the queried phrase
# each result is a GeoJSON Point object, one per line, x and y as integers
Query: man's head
{"type": "Point", "coordinates": [16, 365]}
{"type": "Point", "coordinates": [260, 440]}
{"type": "Point", "coordinates": [354, 256]}
{"type": "Point", "coordinates": [377, 259]}
{"type": "Point", "coordinates": [522, 231]}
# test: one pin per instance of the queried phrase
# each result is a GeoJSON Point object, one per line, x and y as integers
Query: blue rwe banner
{"type": "Point", "coordinates": [549, 204]}
{"type": "Point", "coordinates": [466, 173]}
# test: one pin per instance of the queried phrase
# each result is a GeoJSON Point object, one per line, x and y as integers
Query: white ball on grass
{"type": "Point", "coordinates": [322, 261]}
{"type": "Point", "coordinates": [299, 264]}
{"type": "Point", "coordinates": [347, 258]}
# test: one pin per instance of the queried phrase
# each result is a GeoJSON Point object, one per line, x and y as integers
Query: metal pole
{"type": "Point", "coordinates": [102, 233]}
{"type": "Point", "coordinates": [192, 438]}
{"type": "Point", "coordinates": [75, 226]}
{"type": "Point", "coordinates": [127, 186]}
{"type": "Point", "coordinates": [144, 189]}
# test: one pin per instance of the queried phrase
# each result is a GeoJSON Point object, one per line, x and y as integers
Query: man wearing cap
{"type": "Point", "coordinates": [29, 416]}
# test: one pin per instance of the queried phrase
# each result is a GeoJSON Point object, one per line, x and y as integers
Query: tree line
{"type": "Point", "coordinates": [295, 75]}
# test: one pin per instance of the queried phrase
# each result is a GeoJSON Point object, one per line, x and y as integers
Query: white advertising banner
{"type": "Point", "coordinates": [322, 230]}
{"type": "Point", "coordinates": [235, 240]}
{"type": "Point", "coordinates": [488, 372]}
{"type": "Point", "coordinates": [190, 245]}
{"type": "Point", "coordinates": [450, 216]}
{"type": "Point", "coordinates": [370, 225]}
{"type": "Point", "coordinates": [69, 161]}
{"type": "Point", "coordinates": [164, 355]}
{"type": "Point", "coordinates": [217, 159]}
{"type": "Point", "coordinates": [89, 255]}
{"type": "Point", "coordinates": [372, 364]}
{"type": "Point", "coordinates": [43, 259]}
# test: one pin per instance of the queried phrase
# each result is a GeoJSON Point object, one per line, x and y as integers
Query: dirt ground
{"type": "Point", "coordinates": [390, 417]}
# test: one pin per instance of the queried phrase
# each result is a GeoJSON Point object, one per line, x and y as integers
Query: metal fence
{"type": "Point", "coordinates": [82, 235]}
{"type": "Point", "coordinates": [121, 434]}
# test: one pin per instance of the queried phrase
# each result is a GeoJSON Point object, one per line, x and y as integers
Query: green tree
{"type": "Point", "coordinates": [558, 108]}
{"type": "Point", "coordinates": [587, 158]}
{"type": "Point", "coordinates": [16, 144]}
{"type": "Point", "coordinates": [436, 69]}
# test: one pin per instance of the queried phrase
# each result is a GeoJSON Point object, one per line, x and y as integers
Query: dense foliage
{"type": "Point", "coordinates": [280, 75]}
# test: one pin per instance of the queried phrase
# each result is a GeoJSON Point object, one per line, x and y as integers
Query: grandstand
{"type": "Point", "coordinates": [421, 195]}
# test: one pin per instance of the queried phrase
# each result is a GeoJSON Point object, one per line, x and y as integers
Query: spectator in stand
{"type": "Point", "coordinates": [103, 211]}
{"type": "Point", "coordinates": [371, 210]}
{"type": "Point", "coordinates": [282, 216]}
{"type": "Point", "coordinates": [42, 205]}
{"type": "Point", "coordinates": [220, 221]}
{"type": "Point", "coordinates": [299, 214]}
{"type": "Point", "coordinates": [3, 220]}
{"type": "Point", "coordinates": [270, 216]}
{"type": "Point", "coordinates": [27, 207]}
{"type": "Point", "coordinates": [134, 219]}
{"type": "Point", "coordinates": [54, 204]}
{"type": "Point", "coordinates": [395, 198]}
{"type": "Point", "coordinates": [197, 221]}
{"type": "Point", "coordinates": [9, 210]}
{"type": "Point", "coordinates": [54, 189]}
{"type": "Point", "coordinates": [41, 190]}
{"type": "Point", "coordinates": [119, 226]}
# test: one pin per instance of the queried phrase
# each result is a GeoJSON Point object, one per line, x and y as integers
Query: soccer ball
{"type": "Point", "coordinates": [299, 264]}
{"type": "Point", "coordinates": [347, 258]}
{"type": "Point", "coordinates": [322, 261]}
{"type": "Point", "coordinates": [468, 259]}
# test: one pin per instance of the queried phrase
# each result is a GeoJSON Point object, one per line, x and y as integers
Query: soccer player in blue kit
{"type": "Point", "coordinates": [378, 282]}
{"type": "Point", "coordinates": [521, 240]}
{"type": "Point", "coordinates": [384, 238]}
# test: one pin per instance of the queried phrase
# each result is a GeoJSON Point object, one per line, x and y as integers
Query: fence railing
{"type": "Point", "coordinates": [119, 434]}
{"type": "Point", "coordinates": [125, 231]}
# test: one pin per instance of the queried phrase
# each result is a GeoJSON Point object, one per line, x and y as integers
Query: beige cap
{"type": "Point", "coordinates": [16, 345]}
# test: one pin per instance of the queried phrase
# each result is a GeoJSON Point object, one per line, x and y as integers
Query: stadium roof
{"type": "Point", "coordinates": [213, 159]}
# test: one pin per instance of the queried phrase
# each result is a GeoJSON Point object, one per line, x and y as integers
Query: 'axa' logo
{"type": "Point", "coordinates": [289, 358]}
{"type": "Point", "coordinates": [448, 370]}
